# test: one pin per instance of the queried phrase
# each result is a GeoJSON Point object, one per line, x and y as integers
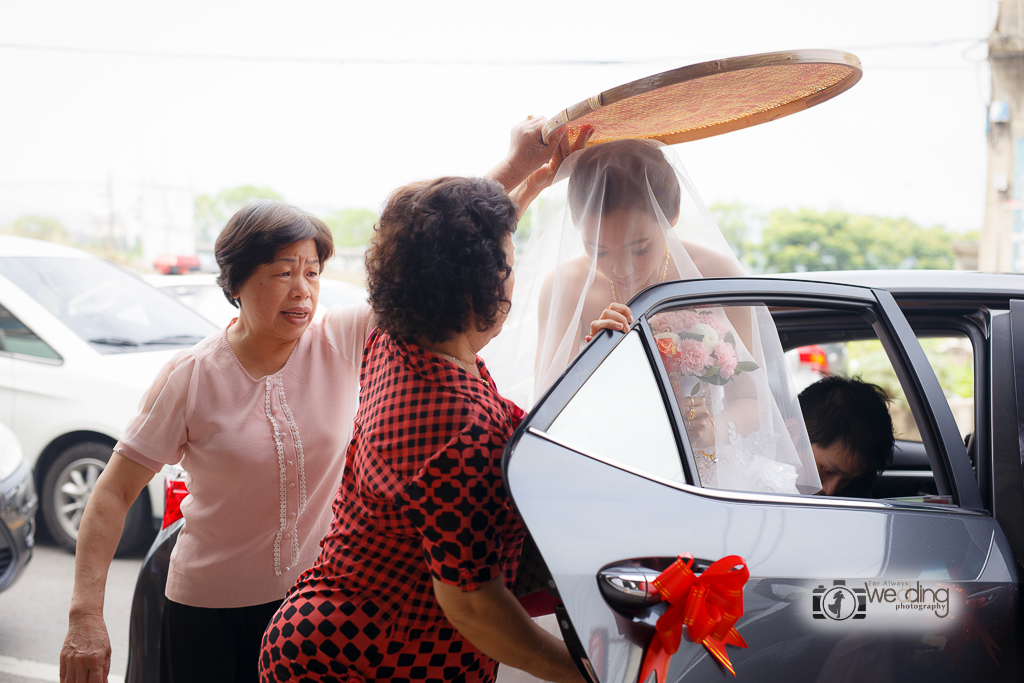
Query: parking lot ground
{"type": "Point", "coordinates": [34, 616]}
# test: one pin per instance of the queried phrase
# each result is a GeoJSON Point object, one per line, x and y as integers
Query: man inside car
{"type": "Point", "coordinates": [851, 433]}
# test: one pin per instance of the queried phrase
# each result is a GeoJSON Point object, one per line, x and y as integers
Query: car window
{"type": "Point", "coordinates": [208, 300]}
{"type": "Point", "coordinates": [619, 415]}
{"type": "Point", "coordinates": [737, 408]}
{"type": "Point", "coordinates": [825, 344]}
{"type": "Point", "coordinates": [744, 423]}
{"type": "Point", "coordinates": [112, 310]}
{"type": "Point", "coordinates": [738, 411]}
{"type": "Point", "coordinates": [15, 337]}
{"type": "Point", "coordinates": [951, 357]}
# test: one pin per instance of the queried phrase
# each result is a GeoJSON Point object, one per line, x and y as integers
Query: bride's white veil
{"type": "Point", "coordinates": [629, 217]}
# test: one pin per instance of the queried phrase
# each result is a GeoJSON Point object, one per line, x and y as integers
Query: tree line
{"type": "Point", "coordinates": [786, 240]}
{"type": "Point", "coordinates": [349, 227]}
{"type": "Point", "coordinates": [779, 241]}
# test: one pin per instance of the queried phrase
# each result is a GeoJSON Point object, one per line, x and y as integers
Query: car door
{"type": "Point", "coordinates": [6, 369]}
{"type": "Point", "coordinates": [1003, 473]}
{"type": "Point", "coordinates": [605, 478]}
{"type": "Point", "coordinates": [22, 354]}
{"type": "Point", "coordinates": [18, 345]}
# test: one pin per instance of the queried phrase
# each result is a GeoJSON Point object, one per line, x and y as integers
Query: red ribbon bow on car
{"type": "Point", "coordinates": [708, 605]}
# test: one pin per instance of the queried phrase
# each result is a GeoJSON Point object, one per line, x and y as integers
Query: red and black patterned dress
{"type": "Point", "coordinates": [422, 496]}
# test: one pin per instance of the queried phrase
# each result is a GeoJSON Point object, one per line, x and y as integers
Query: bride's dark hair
{"type": "Point", "coordinates": [627, 168]}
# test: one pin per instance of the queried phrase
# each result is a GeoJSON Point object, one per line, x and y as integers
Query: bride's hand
{"type": "Point", "coordinates": [700, 429]}
{"type": "Point", "coordinates": [616, 317]}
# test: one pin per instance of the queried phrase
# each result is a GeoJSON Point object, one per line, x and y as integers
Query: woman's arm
{"type": "Point", "coordinates": [468, 550]}
{"type": "Point", "coordinates": [346, 329]}
{"type": "Point", "coordinates": [531, 165]}
{"type": "Point", "coordinates": [494, 621]}
{"type": "Point", "coordinates": [526, 153]}
{"type": "Point", "coordinates": [85, 656]}
{"type": "Point", "coordinates": [528, 190]}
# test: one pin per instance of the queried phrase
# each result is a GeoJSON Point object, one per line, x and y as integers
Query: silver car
{"type": "Point", "coordinates": [829, 593]}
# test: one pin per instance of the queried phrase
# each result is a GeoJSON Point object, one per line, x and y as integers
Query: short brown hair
{"type": "Point", "coordinates": [437, 255]}
{"type": "Point", "coordinates": [255, 233]}
{"type": "Point", "coordinates": [627, 168]}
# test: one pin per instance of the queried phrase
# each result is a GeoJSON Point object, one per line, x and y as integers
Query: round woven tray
{"type": "Point", "coordinates": [711, 98]}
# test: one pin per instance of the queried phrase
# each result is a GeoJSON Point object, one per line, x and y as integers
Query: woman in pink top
{"type": "Point", "coordinates": [259, 416]}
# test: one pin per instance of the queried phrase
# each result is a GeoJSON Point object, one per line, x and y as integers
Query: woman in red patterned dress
{"type": "Point", "coordinates": [413, 580]}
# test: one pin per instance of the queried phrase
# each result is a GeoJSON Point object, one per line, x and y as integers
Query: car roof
{"type": "Point", "coordinates": [913, 279]}
{"type": "Point", "coordinates": [161, 280]}
{"type": "Point", "coordinates": [928, 283]}
{"type": "Point", "coordinates": [24, 246]}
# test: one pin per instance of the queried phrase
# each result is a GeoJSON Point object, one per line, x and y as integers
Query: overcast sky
{"type": "Point", "coordinates": [334, 104]}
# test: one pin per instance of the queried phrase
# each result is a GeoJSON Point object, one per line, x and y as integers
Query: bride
{"type": "Point", "coordinates": [628, 218]}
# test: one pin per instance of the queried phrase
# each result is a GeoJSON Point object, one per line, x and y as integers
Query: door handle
{"type": "Point", "coordinates": [629, 587]}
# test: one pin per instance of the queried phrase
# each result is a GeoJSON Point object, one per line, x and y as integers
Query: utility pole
{"type": "Point", "coordinates": [1002, 236]}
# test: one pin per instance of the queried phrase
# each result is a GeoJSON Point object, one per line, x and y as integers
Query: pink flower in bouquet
{"type": "Point", "coordinates": [679, 320]}
{"type": "Point", "coordinates": [727, 360]}
{"type": "Point", "coordinates": [694, 357]}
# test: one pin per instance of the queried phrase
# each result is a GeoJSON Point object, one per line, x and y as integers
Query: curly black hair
{"type": "Point", "coordinates": [438, 255]}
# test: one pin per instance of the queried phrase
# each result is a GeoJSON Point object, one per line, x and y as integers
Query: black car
{"type": "Point", "coordinates": [18, 504]}
{"type": "Point", "coordinates": [947, 519]}
{"type": "Point", "coordinates": [145, 629]}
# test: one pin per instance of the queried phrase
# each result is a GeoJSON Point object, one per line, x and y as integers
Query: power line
{"type": "Point", "coordinates": [141, 185]}
{"type": "Point", "coordinates": [362, 61]}
{"type": "Point", "coordinates": [923, 67]}
{"type": "Point", "coordinates": [357, 61]}
{"type": "Point", "coordinates": [928, 43]}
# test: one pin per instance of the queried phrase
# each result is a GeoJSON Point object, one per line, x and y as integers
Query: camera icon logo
{"type": "Point", "coordinates": [839, 603]}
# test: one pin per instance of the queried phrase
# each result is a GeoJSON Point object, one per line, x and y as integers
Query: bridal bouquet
{"type": "Point", "coordinates": [698, 343]}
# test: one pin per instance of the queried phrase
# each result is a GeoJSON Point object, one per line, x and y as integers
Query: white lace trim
{"type": "Point", "coordinates": [747, 463]}
{"type": "Point", "coordinates": [283, 472]}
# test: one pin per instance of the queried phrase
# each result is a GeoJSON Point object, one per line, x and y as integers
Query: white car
{"type": "Point", "coordinates": [201, 293]}
{"type": "Point", "coordinates": [80, 341]}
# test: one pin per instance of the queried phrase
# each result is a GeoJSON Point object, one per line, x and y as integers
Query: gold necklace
{"type": "Point", "coordinates": [453, 358]}
{"type": "Point", "coordinates": [664, 272]}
